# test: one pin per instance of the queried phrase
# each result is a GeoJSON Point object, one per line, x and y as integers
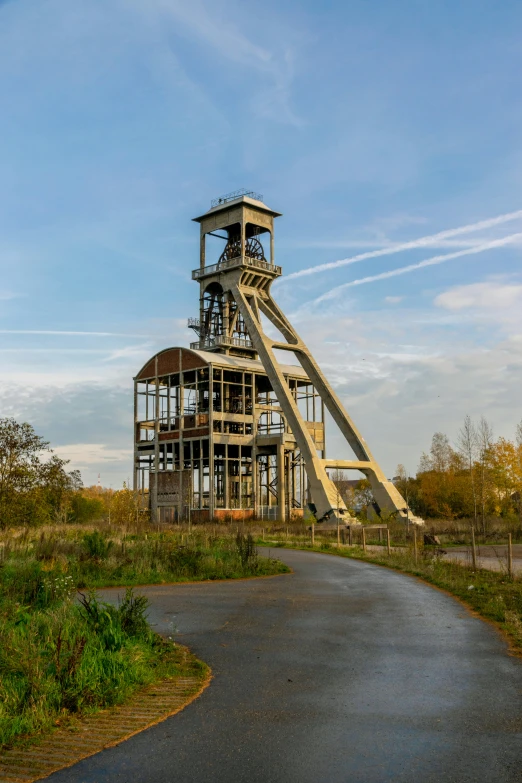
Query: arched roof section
{"type": "Point", "coordinates": [169, 361]}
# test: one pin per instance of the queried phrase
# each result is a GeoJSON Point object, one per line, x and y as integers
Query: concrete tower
{"type": "Point", "coordinates": [234, 292]}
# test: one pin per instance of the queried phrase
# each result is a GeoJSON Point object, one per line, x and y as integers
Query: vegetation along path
{"type": "Point", "coordinates": [339, 671]}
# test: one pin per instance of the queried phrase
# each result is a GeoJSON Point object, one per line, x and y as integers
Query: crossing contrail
{"type": "Point", "coordinates": [428, 262]}
{"type": "Point", "coordinates": [415, 243]}
{"type": "Point", "coordinates": [69, 333]}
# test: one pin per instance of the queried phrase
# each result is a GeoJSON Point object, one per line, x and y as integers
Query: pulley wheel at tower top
{"type": "Point", "coordinates": [253, 249]}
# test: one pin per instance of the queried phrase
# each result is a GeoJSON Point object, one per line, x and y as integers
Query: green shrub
{"type": "Point", "coordinates": [247, 551]}
{"type": "Point", "coordinates": [55, 662]}
{"type": "Point", "coordinates": [96, 545]}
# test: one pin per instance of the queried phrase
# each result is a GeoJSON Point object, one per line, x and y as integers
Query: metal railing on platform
{"type": "Point", "coordinates": [234, 262]}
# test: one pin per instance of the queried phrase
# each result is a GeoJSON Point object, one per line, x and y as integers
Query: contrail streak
{"type": "Point", "coordinates": [69, 333]}
{"type": "Point", "coordinates": [428, 262]}
{"type": "Point", "coordinates": [415, 243]}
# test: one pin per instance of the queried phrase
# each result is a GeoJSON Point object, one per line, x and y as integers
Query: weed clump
{"type": "Point", "coordinates": [66, 658]}
{"type": "Point", "coordinates": [96, 545]}
{"type": "Point", "coordinates": [247, 552]}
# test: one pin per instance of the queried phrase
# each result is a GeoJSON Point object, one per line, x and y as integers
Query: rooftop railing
{"type": "Point", "coordinates": [234, 262]}
{"type": "Point", "coordinates": [216, 202]}
{"type": "Point", "coordinates": [222, 340]}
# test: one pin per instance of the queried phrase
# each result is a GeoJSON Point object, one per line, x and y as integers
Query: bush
{"type": "Point", "coordinates": [96, 545]}
{"type": "Point", "coordinates": [63, 660]}
{"type": "Point", "coordinates": [247, 552]}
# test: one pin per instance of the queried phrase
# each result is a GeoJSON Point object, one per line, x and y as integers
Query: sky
{"type": "Point", "coordinates": [371, 126]}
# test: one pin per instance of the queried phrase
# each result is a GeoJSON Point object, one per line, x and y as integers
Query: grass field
{"type": "Point", "coordinates": [65, 653]}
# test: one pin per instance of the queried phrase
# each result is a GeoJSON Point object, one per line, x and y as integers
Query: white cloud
{"type": "Point", "coordinates": [56, 332]}
{"type": "Point", "coordinates": [482, 296]}
{"type": "Point", "coordinates": [83, 455]}
{"type": "Point", "coordinates": [88, 423]}
{"type": "Point", "coordinates": [393, 299]}
{"type": "Point", "coordinates": [400, 391]}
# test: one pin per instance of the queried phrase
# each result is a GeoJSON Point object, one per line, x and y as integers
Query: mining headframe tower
{"type": "Point", "coordinates": [222, 429]}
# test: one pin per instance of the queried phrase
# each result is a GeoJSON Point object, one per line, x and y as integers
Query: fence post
{"type": "Point", "coordinates": [415, 552]}
{"type": "Point", "coordinates": [388, 540]}
{"type": "Point", "coordinates": [313, 534]}
{"type": "Point", "coordinates": [338, 535]}
{"type": "Point", "coordinates": [350, 536]}
{"type": "Point", "coordinates": [364, 539]}
{"type": "Point", "coordinates": [510, 556]}
{"type": "Point", "coordinates": [473, 548]}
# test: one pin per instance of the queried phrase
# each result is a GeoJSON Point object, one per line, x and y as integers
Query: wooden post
{"type": "Point", "coordinates": [388, 540]}
{"type": "Point", "coordinates": [313, 534]}
{"type": "Point", "coordinates": [350, 536]}
{"type": "Point", "coordinates": [364, 539]}
{"type": "Point", "coordinates": [510, 556]}
{"type": "Point", "coordinates": [338, 535]}
{"type": "Point", "coordinates": [473, 548]}
{"type": "Point", "coordinates": [415, 551]}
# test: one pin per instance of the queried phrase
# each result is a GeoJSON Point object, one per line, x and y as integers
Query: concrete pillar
{"type": "Point", "coordinates": [281, 494]}
{"type": "Point", "coordinates": [211, 500]}
{"type": "Point", "coordinates": [202, 249]}
{"type": "Point", "coordinates": [227, 482]}
{"type": "Point", "coordinates": [135, 467]}
{"type": "Point", "coordinates": [181, 418]}
{"type": "Point", "coordinates": [154, 495]}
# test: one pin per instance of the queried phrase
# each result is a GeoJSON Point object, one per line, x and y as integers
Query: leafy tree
{"type": "Point", "coordinates": [34, 485]}
{"type": "Point", "coordinates": [125, 506]}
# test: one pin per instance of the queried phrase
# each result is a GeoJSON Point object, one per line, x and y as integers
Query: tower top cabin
{"type": "Point", "coordinates": [241, 251]}
{"type": "Point", "coordinates": [242, 218]}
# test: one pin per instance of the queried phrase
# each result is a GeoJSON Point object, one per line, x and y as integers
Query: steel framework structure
{"type": "Point", "coordinates": [234, 292]}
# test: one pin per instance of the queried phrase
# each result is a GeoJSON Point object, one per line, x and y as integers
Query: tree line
{"type": "Point", "coordinates": [37, 489]}
{"type": "Point", "coordinates": [479, 477]}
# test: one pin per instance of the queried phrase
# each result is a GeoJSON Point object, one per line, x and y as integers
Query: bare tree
{"type": "Point", "coordinates": [401, 481]}
{"type": "Point", "coordinates": [440, 456]}
{"type": "Point", "coordinates": [484, 443]}
{"type": "Point", "coordinates": [467, 444]}
{"type": "Point", "coordinates": [518, 438]}
{"type": "Point", "coordinates": [340, 479]}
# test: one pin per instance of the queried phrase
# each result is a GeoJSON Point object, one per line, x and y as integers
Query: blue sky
{"type": "Point", "coordinates": [368, 125]}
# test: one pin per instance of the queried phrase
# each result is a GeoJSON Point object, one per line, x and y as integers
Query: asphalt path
{"type": "Point", "coordinates": [492, 557]}
{"type": "Point", "coordinates": [342, 672]}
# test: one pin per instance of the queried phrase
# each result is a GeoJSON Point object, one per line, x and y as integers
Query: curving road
{"type": "Point", "coordinates": [342, 672]}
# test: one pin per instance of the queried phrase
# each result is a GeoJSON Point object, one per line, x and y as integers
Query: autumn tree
{"type": "Point", "coordinates": [443, 481]}
{"type": "Point", "coordinates": [126, 507]}
{"type": "Point", "coordinates": [34, 485]}
{"type": "Point", "coordinates": [468, 445]}
{"type": "Point", "coordinates": [506, 474]}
